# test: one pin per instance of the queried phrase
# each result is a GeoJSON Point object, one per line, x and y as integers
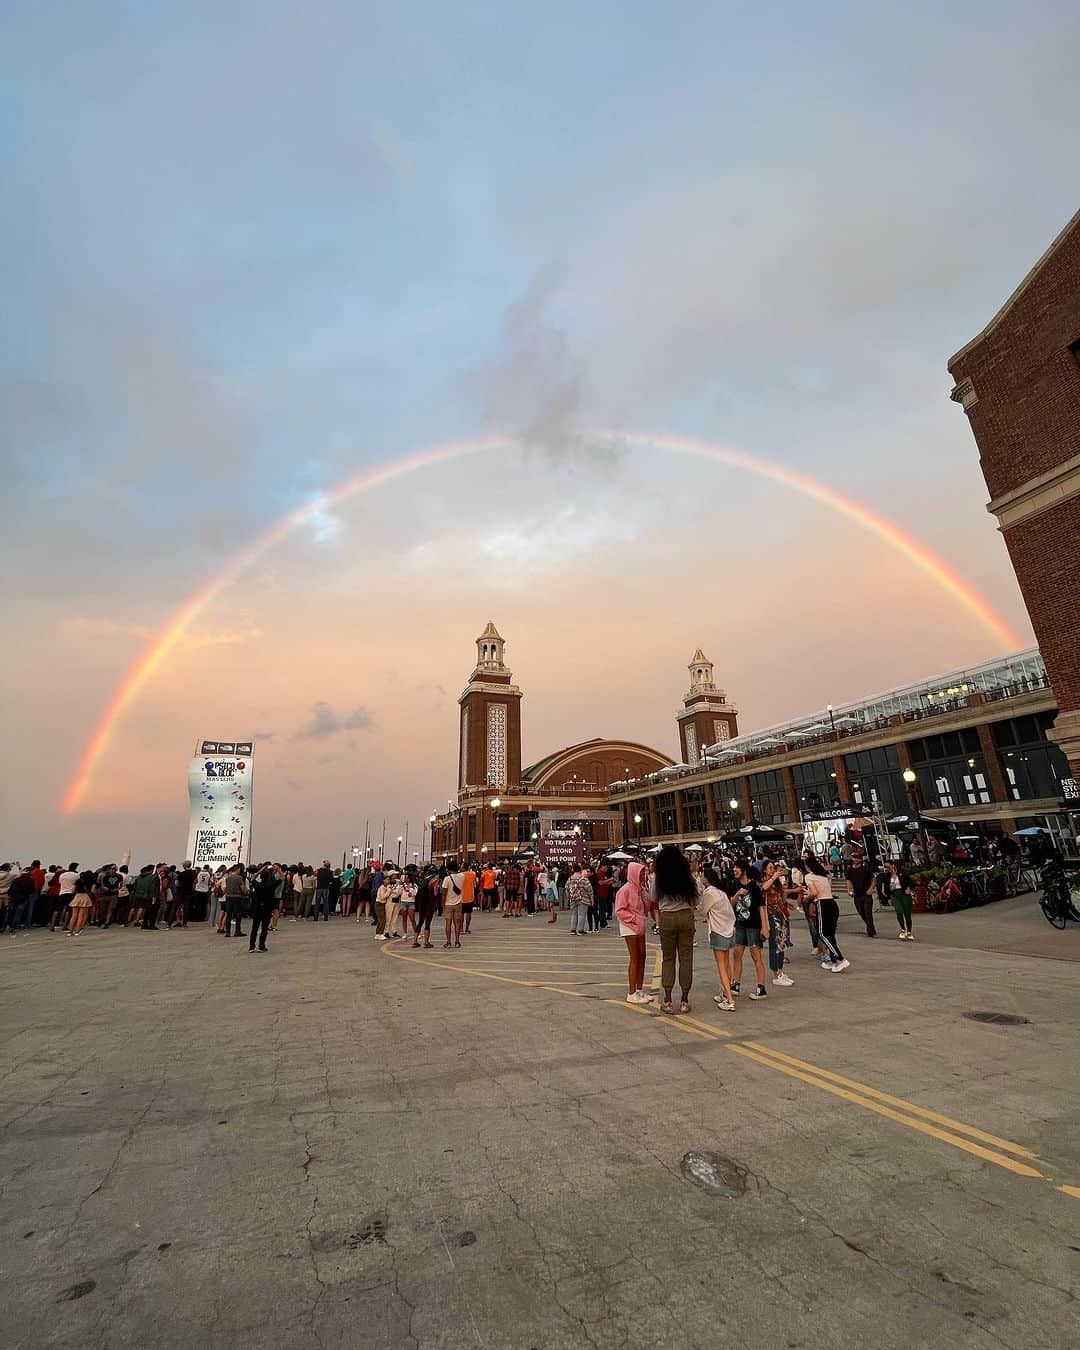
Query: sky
{"type": "Point", "coordinates": [254, 250]}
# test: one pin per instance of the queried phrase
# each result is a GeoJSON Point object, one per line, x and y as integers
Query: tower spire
{"type": "Point", "coordinates": [490, 649]}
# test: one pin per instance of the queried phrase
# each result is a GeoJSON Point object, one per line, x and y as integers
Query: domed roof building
{"type": "Point", "coordinates": [502, 807]}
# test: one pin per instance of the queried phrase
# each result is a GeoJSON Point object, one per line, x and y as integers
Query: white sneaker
{"type": "Point", "coordinates": [638, 997]}
{"type": "Point", "coordinates": [902, 935]}
{"type": "Point", "coordinates": [840, 965]}
{"type": "Point", "coordinates": [911, 937]}
{"type": "Point", "coordinates": [781, 978]}
{"type": "Point", "coordinates": [760, 992]}
{"type": "Point", "coordinates": [827, 964]}
{"type": "Point", "coordinates": [380, 937]}
{"type": "Point", "coordinates": [724, 1004]}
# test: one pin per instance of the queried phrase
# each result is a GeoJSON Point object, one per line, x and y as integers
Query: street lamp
{"type": "Point", "coordinates": [399, 842]}
{"type": "Point", "coordinates": [495, 803]}
{"type": "Point", "coordinates": [637, 822]}
{"type": "Point", "coordinates": [832, 719]}
{"type": "Point", "coordinates": [734, 803]}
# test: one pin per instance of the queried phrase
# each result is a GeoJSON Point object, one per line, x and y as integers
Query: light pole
{"type": "Point", "coordinates": [431, 822]}
{"type": "Point", "coordinates": [495, 803]}
{"type": "Point", "coordinates": [637, 822]}
{"type": "Point", "coordinates": [832, 719]}
{"type": "Point", "coordinates": [399, 842]}
{"type": "Point", "coordinates": [733, 805]}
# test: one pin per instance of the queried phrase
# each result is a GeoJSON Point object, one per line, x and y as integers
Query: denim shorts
{"type": "Point", "coordinates": [719, 943]}
{"type": "Point", "coordinates": [747, 937]}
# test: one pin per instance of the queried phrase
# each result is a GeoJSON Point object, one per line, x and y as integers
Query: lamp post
{"type": "Point", "coordinates": [832, 719]}
{"type": "Point", "coordinates": [399, 843]}
{"type": "Point", "coordinates": [913, 788]}
{"type": "Point", "coordinates": [637, 822]}
{"type": "Point", "coordinates": [495, 803]}
{"type": "Point", "coordinates": [431, 822]}
{"type": "Point", "coordinates": [733, 807]}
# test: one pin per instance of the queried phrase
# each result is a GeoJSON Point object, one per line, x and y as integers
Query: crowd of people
{"type": "Point", "coordinates": [745, 904]}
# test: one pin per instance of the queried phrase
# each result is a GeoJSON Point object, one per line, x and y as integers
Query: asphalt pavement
{"type": "Point", "coordinates": [342, 1143]}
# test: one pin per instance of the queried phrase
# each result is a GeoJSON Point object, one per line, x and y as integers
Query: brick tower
{"type": "Point", "coordinates": [490, 725]}
{"type": "Point", "coordinates": [707, 717]}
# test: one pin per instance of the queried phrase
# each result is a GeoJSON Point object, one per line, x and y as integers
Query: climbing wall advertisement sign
{"type": "Point", "coordinates": [219, 797]}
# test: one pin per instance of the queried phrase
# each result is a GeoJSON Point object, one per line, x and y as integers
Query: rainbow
{"type": "Point", "coordinates": [159, 647]}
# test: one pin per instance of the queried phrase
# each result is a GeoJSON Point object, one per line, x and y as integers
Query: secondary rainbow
{"type": "Point", "coordinates": [158, 647]}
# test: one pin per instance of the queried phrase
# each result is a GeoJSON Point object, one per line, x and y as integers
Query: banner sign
{"type": "Point", "coordinates": [561, 848]}
{"type": "Point", "coordinates": [219, 797]}
{"type": "Point", "coordinates": [837, 812]}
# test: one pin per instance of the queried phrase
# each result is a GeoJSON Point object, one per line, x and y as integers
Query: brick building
{"type": "Point", "coordinates": [502, 806]}
{"type": "Point", "coordinates": [977, 741]}
{"type": "Point", "coordinates": [1019, 383]}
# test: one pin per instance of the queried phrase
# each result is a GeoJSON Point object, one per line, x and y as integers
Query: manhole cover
{"type": "Point", "coordinates": [714, 1173]}
{"type": "Point", "coordinates": [998, 1019]}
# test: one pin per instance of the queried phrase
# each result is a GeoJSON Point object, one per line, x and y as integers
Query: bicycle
{"type": "Point", "coordinates": [1056, 900]}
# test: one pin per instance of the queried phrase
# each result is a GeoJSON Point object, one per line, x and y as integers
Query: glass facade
{"type": "Point", "coordinates": [528, 824]}
{"type": "Point", "coordinates": [695, 810]}
{"type": "Point", "coordinates": [768, 797]}
{"type": "Point", "coordinates": [876, 776]}
{"type": "Point", "coordinates": [666, 819]}
{"type": "Point", "coordinates": [1034, 766]}
{"type": "Point", "coordinates": [640, 808]}
{"type": "Point", "coordinates": [815, 785]}
{"type": "Point", "coordinates": [951, 769]}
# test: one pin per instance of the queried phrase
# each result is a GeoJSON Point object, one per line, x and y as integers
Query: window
{"type": "Point", "coordinates": [876, 776]}
{"type": "Point", "coordinates": [1034, 765]}
{"type": "Point", "coordinates": [640, 808]}
{"type": "Point", "coordinates": [528, 824]}
{"type": "Point", "coordinates": [502, 827]}
{"type": "Point", "coordinates": [768, 797]}
{"type": "Point", "coordinates": [695, 810]}
{"type": "Point", "coordinates": [666, 819]}
{"type": "Point", "coordinates": [724, 793]}
{"type": "Point", "coordinates": [1074, 347]}
{"type": "Point", "coordinates": [815, 786]}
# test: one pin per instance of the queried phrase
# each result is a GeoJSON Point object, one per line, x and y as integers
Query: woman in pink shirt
{"type": "Point", "coordinates": [631, 906]}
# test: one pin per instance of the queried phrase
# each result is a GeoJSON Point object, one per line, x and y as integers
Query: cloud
{"type": "Point", "coordinates": [225, 637]}
{"type": "Point", "coordinates": [535, 386]}
{"type": "Point", "coordinates": [325, 722]}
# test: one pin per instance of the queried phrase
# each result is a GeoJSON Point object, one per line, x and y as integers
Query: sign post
{"type": "Point", "coordinates": [561, 848]}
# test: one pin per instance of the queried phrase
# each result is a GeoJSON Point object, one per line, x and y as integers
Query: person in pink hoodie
{"type": "Point", "coordinates": [631, 906]}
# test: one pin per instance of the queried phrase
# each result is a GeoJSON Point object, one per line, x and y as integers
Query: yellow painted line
{"type": "Point", "coordinates": [900, 1102]}
{"type": "Point", "coordinates": [667, 1018]}
{"type": "Point", "coordinates": [787, 1065]}
{"type": "Point", "coordinates": [922, 1126]}
{"type": "Point", "coordinates": [713, 1031]}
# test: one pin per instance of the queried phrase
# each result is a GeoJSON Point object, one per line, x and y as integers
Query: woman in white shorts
{"type": "Point", "coordinates": [715, 908]}
{"type": "Point", "coordinates": [631, 906]}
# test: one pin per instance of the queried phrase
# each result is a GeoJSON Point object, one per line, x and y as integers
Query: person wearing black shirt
{"type": "Point", "coordinates": [263, 899]}
{"type": "Point", "coordinates": [751, 921]}
{"type": "Point", "coordinates": [324, 879]}
{"type": "Point", "coordinates": [860, 881]}
{"type": "Point", "coordinates": [176, 912]}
